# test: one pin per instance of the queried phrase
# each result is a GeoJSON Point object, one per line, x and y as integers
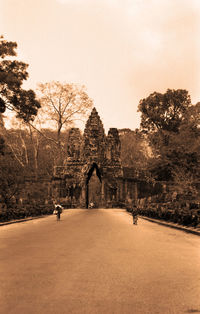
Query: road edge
{"type": "Point", "coordinates": [172, 225]}
{"type": "Point", "coordinates": [21, 220]}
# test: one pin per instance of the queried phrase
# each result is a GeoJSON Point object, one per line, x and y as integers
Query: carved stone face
{"type": "Point", "coordinates": [74, 144]}
{"type": "Point", "coordinates": [94, 138]}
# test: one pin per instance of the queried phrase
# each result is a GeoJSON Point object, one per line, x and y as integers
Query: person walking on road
{"type": "Point", "coordinates": [58, 209]}
{"type": "Point", "coordinates": [134, 215]}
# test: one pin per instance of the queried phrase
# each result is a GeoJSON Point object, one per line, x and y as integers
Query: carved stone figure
{"type": "Point", "coordinates": [87, 154]}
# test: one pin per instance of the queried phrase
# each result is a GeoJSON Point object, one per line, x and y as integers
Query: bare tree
{"type": "Point", "coordinates": [62, 104]}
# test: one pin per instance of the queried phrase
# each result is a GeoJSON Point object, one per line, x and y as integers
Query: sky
{"type": "Point", "coordinates": [121, 50]}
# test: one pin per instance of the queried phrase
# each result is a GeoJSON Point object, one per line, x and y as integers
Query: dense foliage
{"type": "Point", "coordinates": [171, 124]}
{"type": "Point", "coordinates": [12, 75]}
{"type": "Point", "coordinates": [164, 112]}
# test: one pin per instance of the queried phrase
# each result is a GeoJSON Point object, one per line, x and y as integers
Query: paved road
{"type": "Point", "coordinates": [96, 261]}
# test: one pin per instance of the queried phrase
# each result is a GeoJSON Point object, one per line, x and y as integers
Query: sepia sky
{"type": "Point", "coordinates": [121, 50]}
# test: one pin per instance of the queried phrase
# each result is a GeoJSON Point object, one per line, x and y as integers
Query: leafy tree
{"type": "Point", "coordinates": [2, 141]}
{"type": "Point", "coordinates": [11, 178]}
{"type": "Point", "coordinates": [164, 112]}
{"type": "Point", "coordinates": [172, 128]}
{"type": "Point", "coordinates": [12, 75]}
{"type": "Point", "coordinates": [134, 149]}
{"type": "Point", "coordinates": [181, 153]}
{"type": "Point", "coordinates": [161, 118]}
{"type": "Point", "coordinates": [2, 145]}
{"type": "Point", "coordinates": [184, 152]}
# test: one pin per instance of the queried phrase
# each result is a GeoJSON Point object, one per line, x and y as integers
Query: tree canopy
{"type": "Point", "coordinates": [134, 149]}
{"type": "Point", "coordinates": [172, 126]}
{"type": "Point", "coordinates": [12, 75]}
{"type": "Point", "coordinates": [164, 111]}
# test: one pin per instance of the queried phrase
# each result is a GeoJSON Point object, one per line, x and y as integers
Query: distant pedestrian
{"type": "Point", "coordinates": [134, 215]}
{"type": "Point", "coordinates": [58, 209]}
{"type": "Point", "coordinates": [91, 205]}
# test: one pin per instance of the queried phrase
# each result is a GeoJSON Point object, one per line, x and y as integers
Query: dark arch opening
{"type": "Point", "coordinates": [90, 172]}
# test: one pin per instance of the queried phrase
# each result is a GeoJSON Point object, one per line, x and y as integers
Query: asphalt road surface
{"type": "Point", "coordinates": [97, 261]}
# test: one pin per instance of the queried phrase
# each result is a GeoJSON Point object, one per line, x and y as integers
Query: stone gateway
{"type": "Point", "coordinates": [92, 172]}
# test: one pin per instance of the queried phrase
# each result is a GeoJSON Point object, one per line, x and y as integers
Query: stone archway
{"type": "Point", "coordinates": [93, 185]}
{"type": "Point", "coordinates": [94, 152]}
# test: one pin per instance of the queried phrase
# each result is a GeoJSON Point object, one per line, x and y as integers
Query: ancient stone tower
{"type": "Point", "coordinates": [92, 167]}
